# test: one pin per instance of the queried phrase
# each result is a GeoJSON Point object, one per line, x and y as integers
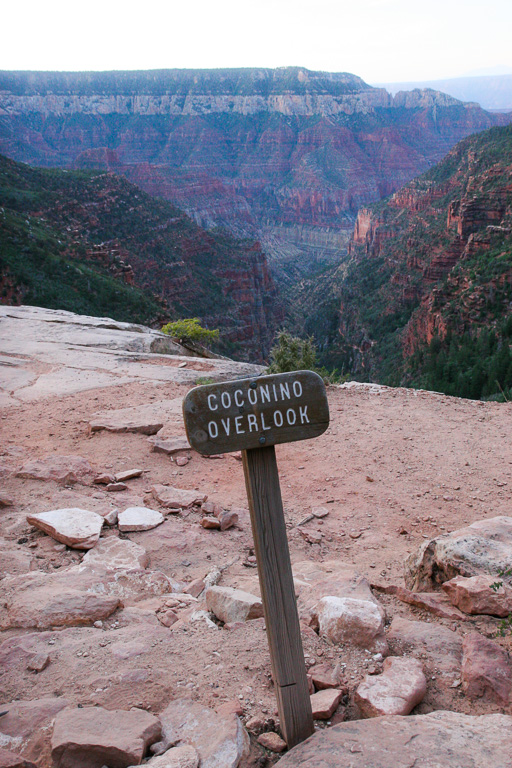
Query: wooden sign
{"type": "Point", "coordinates": [250, 413]}
{"type": "Point", "coordinates": [253, 415]}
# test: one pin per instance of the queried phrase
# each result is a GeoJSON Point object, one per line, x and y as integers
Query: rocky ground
{"type": "Point", "coordinates": [143, 641]}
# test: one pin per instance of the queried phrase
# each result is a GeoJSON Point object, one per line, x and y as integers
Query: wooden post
{"type": "Point", "coordinates": [253, 415]}
{"type": "Point", "coordinates": [278, 593]}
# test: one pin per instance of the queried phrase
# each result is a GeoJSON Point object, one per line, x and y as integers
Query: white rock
{"type": "Point", "coordinates": [139, 519]}
{"type": "Point", "coordinates": [221, 741]}
{"type": "Point", "coordinates": [483, 547]}
{"type": "Point", "coordinates": [352, 621]}
{"type": "Point", "coordinates": [115, 553]}
{"type": "Point", "coordinates": [230, 605]}
{"type": "Point", "coordinates": [78, 528]}
{"type": "Point", "coordinates": [184, 756]}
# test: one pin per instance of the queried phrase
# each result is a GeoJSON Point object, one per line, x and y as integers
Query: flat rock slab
{"type": "Point", "coordinates": [177, 498]}
{"type": "Point", "coordinates": [351, 621]}
{"type": "Point", "coordinates": [170, 445]}
{"type": "Point", "coordinates": [441, 646]}
{"type": "Point", "coordinates": [433, 602]}
{"type": "Point", "coordinates": [401, 687]}
{"type": "Point", "coordinates": [139, 519]}
{"type": "Point", "coordinates": [62, 469]}
{"type": "Point", "coordinates": [484, 547]}
{"type": "Point", "coordinates": [128, 474]}
{"type": "Point", "coordinates": [475, 596]}
{"type": "Point", "coordinates": [75, 527]}
{"type": "Point", "coordinates": [221, 741]}
{"type": "Point", "coordinates": [117, 554]}
{"type": "Point", "coordinates": [446, 739]}
{"type": "Point", "coordinates": [486, 671]}
{"type": "Point", "coordinates": [146, 419]}
{"type": "Point", "coordinates": [93, 737]}
{"type": "Point", "coordinates": [230, 605]}
{"type": "Point", "coordinates": [57, 606]}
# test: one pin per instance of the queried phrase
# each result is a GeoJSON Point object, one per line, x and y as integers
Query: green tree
{"type": "Point", "coordinates": [291, 353]}
{"type": "Point", "coordinates": [190, 329]}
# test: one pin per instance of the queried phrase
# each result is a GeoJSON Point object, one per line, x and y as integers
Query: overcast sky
{"type": "Point", "coordinates": [379, 40]}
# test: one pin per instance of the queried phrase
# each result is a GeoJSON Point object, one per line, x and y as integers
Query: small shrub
{"type": "Point", "coordinates": [291, 353]}
{"type": "Point", "coordinates": [190, 329]}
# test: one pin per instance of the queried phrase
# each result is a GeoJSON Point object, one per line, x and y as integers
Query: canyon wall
{"type": "Point", "coordinates": [242, 149]}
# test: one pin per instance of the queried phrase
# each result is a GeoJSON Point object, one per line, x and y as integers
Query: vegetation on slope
{"type": "Point", "coordinates": [425, 298]}
{"type": "Point", "coordinates": [94, 243]}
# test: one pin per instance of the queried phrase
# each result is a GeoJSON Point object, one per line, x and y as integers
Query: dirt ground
{"type": "Point", "coordinates": [395, 467]}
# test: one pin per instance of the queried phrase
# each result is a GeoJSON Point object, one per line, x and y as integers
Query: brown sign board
{"type": "Point", "coordinates": [257, 412]}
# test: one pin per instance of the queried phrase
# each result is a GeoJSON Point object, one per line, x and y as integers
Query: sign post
{"type": "Point", "coordinates": [253, 415]}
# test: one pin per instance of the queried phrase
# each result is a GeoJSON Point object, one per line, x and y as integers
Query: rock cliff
{"type": "Point", "coordinates": [425, 296]}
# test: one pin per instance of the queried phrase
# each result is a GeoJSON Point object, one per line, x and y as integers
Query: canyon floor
{"type": "Point", "coordinates": [395, 467]}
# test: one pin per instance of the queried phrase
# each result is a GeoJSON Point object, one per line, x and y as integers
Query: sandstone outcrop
{"type": "Point", "coordinates": [484, 547]}
{"type": "Point", "coordinates": [397, 742]}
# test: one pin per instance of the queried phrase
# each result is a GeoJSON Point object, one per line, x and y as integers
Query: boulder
{"type": "Point", "coordinates": [441, 646]}
{"type": "Point", "coordinates": [77, 528]}
{"type": "Point", "coordinates": [117, 554]}
{"type": "Point", "coordinates": [325, 703]}
{"type": "Point", "coordinates": [484, 547]}
{"type": "Point", "coordinates": [177, 498]}
{"type": "Point", "coordinates": [62, 469]}
{"type": "Point", "coordinates": [352, 621]}
{"type": "Point", "coordinates": [486, 671]}
{"type": "Point", "coordinates": [184, 756]}
{"type": "Point", "coordinates": [474, 595]}
{"type": "Point", "coordinates": [92, 737]}
{"type": "Point", "coordinates": [447, 739]}
{"type": "Point", "coordinates": [220, 741]}
{"type": "Point", "coordinates": [401, 687]}
{"type": "Point", "coordinates": [139, 519]}
{"type": "Point", "coordinates": [230, 605]}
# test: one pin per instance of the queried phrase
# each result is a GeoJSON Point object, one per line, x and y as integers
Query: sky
{"type": "Point", "coordinates": [379, 40]}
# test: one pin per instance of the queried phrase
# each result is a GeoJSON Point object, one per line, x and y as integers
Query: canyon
{"type": "Point", "coordinates": [287, 156]}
